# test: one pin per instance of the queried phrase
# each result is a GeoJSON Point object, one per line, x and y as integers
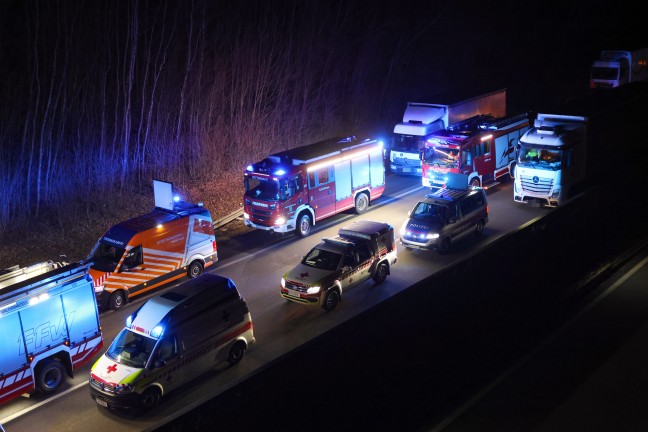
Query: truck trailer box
{"type": "Point", "coordinates": [145, 252]}
{"type": "Point", "coordinates": [49, 326]}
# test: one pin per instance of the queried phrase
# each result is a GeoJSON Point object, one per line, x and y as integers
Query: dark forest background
{"type": "Point", "coordinates": [99, 97]}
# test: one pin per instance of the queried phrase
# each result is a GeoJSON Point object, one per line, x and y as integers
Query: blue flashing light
{"type": "Point", "coordinates": [250, 168]}
{"type": "Point", "coordinates": [176, 198]}
{"type": "Point", "coordinates": [157, 331]}
{"type": "Point", "coordinates": [280, 172]}
{"type": "Point", "coordinates": [381, 143]}
{"type": "Point", "coordinates": [129, 321]}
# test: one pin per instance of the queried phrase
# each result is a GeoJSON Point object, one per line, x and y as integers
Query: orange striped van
{"type": "Point", "coordinates": [145, 252]}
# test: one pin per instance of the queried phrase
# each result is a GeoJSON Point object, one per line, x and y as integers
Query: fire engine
{"type": "Point", "coordinates": [49, 326]}
{"type": "Point", "coordinates": [294, 189]}
{"type": "Point", "coordinates": [481, 147]}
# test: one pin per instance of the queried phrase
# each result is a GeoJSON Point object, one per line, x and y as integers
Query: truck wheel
{"type": "Point", "coordinates": [117, 300]}
{"type": "Point", "coordinates": [236, 353]}
{"type": "Point", "coordinates": [381, 273]}
{"type": "Point", "coordinates": [331, 300]}
{"type": "Point", "coordinates": [361, 203]}
{"type": "Point", "coordinates": [303, 225]}
{"type": "Point", "coordinates": [49, 376]}
{"type": "Point", "coordinates": [475, 182]}
{"type": "Point", "coordinates": [195, 269]}
{"type": "Point", "coordinates": [150, 398]}
{"type": "Point", "coordinates": [479, 229]}
{"type": "Point", "coordinates": [444, 246]}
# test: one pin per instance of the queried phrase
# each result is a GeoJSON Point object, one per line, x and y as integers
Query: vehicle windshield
{"type": "Point", "coordinates": [605, 73]}
{"type": "Point", "coordinates": [106, 257]}
{"type": "Point", "coordinates": [406, 143]}
{"type": "Point", "coordinates": [261, 188]}
{"type": "Point", "coordinates": [441, 156]}
{"type": "Point", "coordinates": [540, 158]}
{"type": "Point", "coordinates": [322, 259]}
{"type": "Point", "coordinates": [427, 212]}
{"type": "Point", "coordinates": [131, 349]}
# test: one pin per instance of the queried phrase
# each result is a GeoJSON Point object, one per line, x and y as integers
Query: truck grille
{"type": "Point", "coordinates": [295, 286]}
{"type": "Point", "coordinates": [541, 185]}
{"type": "Point", "coordinates": [406, 162]}
{"type": "Point", "coordinates": [101, 386]}
{"type": "Point", "coordinates": [258, 212]}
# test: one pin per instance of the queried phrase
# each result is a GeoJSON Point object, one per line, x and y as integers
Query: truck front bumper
{"type": "Point", "coordinates": [107, 400]}
{"type": "Point", "coordinates": [284, 228]}
{"type": "Point", "coordinates": [429, 245]}
{"type": "Point", "coordinates": [544, 201]}
{"type": "Point", "coordinates": [405, 170]}
{"type": "Point", "coordinates": [306, 299]}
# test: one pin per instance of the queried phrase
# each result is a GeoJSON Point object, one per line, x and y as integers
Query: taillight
{"type": "Point", "coordinates": [214, 245]}
{"type": "Point", "coordinates": [487, 210]}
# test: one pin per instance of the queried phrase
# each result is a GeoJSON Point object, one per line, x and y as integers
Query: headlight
{"type": "Point", "coordinates": [313, 290]}
{"type": "Point", "coordinates": [124, 388]}
{"type": "Point", "coordinates": [280, 221]}
{"type": "Point", "coordinates": [99, 288]}
{"type": "Point", "coordinates": [283, 283]}
{"type": "Point", "coordinates": [430, 236]}
{"type": "Point", "coordinates": [246, 216]}
{"type": "Point", "coordinates": [556, 193]}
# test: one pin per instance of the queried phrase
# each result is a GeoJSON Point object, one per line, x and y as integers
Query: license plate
{"type": "Point", "coordinates": [294, 293]}
{"type": "Point", "coordinates": [102, 402]}
{"type": "Point", "coordinates": [406, 170]}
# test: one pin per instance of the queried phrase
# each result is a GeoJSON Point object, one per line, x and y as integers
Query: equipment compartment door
{"type": "Point", "coordinates": [484, 160]}
{"type": "Point", "coordinates": [321, 183]}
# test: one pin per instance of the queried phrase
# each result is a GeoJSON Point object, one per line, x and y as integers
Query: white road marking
{"type": "Point", "coordinates": [480, 395]}
{"type": "Point", "coordinates": [39, 404]}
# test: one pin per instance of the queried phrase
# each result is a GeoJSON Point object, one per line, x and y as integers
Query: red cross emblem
{"type": "Point", "coordinates": [112, 368]}
{"type": "Point", "coordinates": [303, 275]}
{"type": "Point", "coordinates": [350, 280]}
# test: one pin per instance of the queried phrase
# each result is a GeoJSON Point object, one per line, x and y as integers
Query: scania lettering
{"type": "Point", "coordinates": [49, 326]}
{"type": "Point", "coordinates": [480, 148]}
{"type": "Point", "coordinates": [294, 189]}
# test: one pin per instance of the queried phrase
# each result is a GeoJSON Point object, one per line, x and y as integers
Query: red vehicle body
{"type": "Point", "coordinates": [294, 189]}
{"type": "Point", "coordinates": [481, 147]}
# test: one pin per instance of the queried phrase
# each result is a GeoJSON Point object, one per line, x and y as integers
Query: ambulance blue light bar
{"type": "Point", "coordinates": [157, 331]}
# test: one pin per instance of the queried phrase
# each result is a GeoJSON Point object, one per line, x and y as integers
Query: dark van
{"type": "Point", "coordinates": [444, 217]}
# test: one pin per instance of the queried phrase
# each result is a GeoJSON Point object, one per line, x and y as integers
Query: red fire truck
{"type": "Point", "coordinates": [480, 147]}
{"type": "Point", "coordinates": [294, 189]}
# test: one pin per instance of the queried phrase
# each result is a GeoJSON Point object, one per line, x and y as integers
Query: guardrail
{"type": "Point", "coordinates": [228, 218]}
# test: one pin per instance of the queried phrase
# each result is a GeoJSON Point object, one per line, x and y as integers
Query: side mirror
{"type": "Point", "coordinates": [346, 268]}
{"type": "Point", "coordinates": [512, 166]}
{"type": "Point", "coordinates": [452, 220]}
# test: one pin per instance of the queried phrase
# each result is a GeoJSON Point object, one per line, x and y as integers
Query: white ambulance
{"type": "Point", "coordinates": [171, 339]}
